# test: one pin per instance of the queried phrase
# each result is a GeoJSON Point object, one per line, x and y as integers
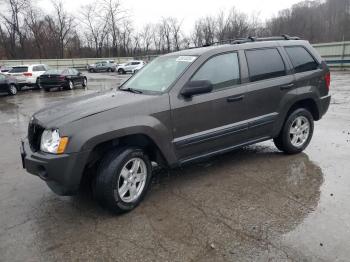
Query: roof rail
{"type": "Point", "coordinates": [252, 39]}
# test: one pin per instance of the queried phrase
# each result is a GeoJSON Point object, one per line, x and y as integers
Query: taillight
{"type": "Point", "coordinates": [327, 79]}
{"type": "Point", "coordinates": [62, 77]}
{"type": "Point", "coordinates": [27, 74]}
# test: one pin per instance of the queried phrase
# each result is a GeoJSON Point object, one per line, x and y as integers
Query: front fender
{"type": "Point", "coordinates": [87, 133]}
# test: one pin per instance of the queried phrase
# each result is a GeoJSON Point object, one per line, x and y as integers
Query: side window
{"type": "Point", "coordinates": [301, 59]}
{"type": "Point", "coordinates": [135, 63]}
{"type": "Point", "coordinates": [264, 64]}
{"type": "Point", "coordinates": [221, 70]}
{"type": "Point", "coordinates": [2, 77]}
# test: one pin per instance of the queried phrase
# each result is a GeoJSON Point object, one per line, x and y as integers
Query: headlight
{"type": "Point", "coordinates": [51, 142]}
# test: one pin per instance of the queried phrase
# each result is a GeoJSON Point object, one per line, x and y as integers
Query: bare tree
{"type": "Point", "coordinates": [64, 25]}
{"type": "Point", "coordinates": [115, 14]}
{"type": "Point", "coordinates": [175, 26]}
{"type": "Point", "coordinates": [166, 28]}
{"type": "Point", "coordinates": [146, 37]}
{"type": "Point", "coordinates": [96, 23]}
{"type": "Point", "coordinates": [13, 21]}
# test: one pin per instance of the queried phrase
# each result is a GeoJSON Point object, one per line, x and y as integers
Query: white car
{"type": "Point", "coordinates": [28, 75]}
{"type": "Point", "coordinates": [130, 67]}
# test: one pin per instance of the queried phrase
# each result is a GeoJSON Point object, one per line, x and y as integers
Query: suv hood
{"type": "Point", "coordinates": [77, 108]}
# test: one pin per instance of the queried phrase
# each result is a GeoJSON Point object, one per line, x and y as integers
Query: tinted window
{"type": "Point", "coordinates": [21, 69]}
{"type": "Point", "coordinates": [38, 68]}
{"type": "Point", "coordinates": [222, 71]}
{"type": "Point", "coordinates": [301, 59]}
{"type": "Point", "coordinates": [264, 64]}
{"type": "Point", "coordinates": [135, 63]}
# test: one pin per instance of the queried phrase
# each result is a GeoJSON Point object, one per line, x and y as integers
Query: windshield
{"type": "Point", "coordinates": [21, 69]}
{"type": "Point", "coordinates": [158, 75]}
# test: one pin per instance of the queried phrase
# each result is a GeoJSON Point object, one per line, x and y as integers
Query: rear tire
{"type": "Point", "coordinates": [123, 178]}
{"type": "Point", "coordinates": [84, 82]}
{"type": "Point", "coordinates": [121, 71]}
{"type": "Point", "coordinates": [37, 84]}
{"type": "Point", "coordinates": [46, 89]}
{"type": "Point", "coordinates": [12, 90]}
{"type": "Point", "coordinates": [70, 85]}
{"type": "Point", "coordinates": [296, 132]}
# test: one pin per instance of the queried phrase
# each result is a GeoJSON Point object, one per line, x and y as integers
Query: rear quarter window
{"type": "Point", "coordinates": [301, 59]}
{"type": "Point", "coordinates": [264, 64]}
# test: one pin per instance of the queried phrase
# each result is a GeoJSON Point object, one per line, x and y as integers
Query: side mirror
{"type": "Point", "coordinates": [79, 73]}
{"type": "Point", "coordinates": [196, 87]}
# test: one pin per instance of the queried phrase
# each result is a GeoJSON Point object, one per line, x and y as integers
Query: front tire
{"type": "Point", "coordinates": [123, 179]}
{"type": "Point", "coordinates": [121, 71]}
{"type": "Point", "coordinates": [296, 132]}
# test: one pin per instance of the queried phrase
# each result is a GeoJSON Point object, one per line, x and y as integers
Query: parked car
{"type": "Point", "coordinates": [4, 68]}
{"type": "Point", "coordinates": [130, 67]}
{"type": "Point", "coordinates": [67, 78]}
{"type": "Point", "coordinates": [182, 107]}
{"type": "Point", "coordinates": [28, 75]}
{"type": "Point", "coordinates": [104, 66]}
{"type": "Point", "coordinates": [8, 84]}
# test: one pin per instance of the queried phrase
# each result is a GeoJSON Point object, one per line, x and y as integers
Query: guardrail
{"type": "Point", "coordinates": [336, 54]}
{"type": "Point", "coordinates": [79, 63]}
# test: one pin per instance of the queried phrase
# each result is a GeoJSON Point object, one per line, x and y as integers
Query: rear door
{"type": "Point", "coordinates": [308, 71]}
{"type": "Point", "coordinates": [74, 74]}
{"type": "Point", "coordinates": [211, 122]}
{"type": "Point", "coordinates": [270, 84]}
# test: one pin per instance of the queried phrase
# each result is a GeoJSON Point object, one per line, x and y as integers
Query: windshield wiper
{"type": "Point", "coordinates": [129, 89]}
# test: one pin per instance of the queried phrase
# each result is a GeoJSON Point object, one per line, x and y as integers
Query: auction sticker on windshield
{"type": "Point", "coordinates": [188, 59]}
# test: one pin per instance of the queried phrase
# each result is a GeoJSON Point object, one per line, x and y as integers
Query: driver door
{"type": "Point", "coordinates": [206, 123]}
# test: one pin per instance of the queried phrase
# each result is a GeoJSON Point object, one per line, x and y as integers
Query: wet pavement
{"type": "Point", "coordinates": [254, 204]}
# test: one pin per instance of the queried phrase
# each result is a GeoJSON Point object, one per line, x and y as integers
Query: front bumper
{"type": "Point", "coordinates": [62, 173]}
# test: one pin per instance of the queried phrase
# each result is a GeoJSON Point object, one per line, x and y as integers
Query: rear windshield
{"type": "Point", "coordinates": [20, 69]}
{"type": "Point", "coordinates": [55, 72]}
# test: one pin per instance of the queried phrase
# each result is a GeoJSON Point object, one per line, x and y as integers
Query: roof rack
{"type": "Point", "coordinates": [252, 39]}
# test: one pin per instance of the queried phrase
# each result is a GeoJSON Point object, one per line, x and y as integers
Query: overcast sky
{"type": "Point", "coordinates": [145, 11]}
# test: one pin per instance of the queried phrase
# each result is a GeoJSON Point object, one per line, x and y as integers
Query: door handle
{"type": "Point", "coordinates": [235, 98]}
{"type": "Point", "coordinates": [285, 87]}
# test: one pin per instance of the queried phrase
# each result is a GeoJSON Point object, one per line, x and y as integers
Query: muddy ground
{"type": "Point", "coordinates": [254, 204]}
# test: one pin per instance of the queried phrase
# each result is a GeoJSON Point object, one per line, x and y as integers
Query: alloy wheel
{"type": "Point", "coordinates": [132, 180]}
{"type": "Point", "coordinates": [299, 131]}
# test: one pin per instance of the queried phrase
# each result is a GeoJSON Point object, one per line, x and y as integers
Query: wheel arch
{"type": "Point", "coordinates": [309, 103]}
{"type": "Point", "coordinates": [100, 150]}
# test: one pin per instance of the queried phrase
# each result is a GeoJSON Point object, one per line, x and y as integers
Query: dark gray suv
{"type": "Point", "coordinates": [181, 107]}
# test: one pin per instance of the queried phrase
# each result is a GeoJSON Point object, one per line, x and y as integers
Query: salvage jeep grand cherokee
{"type": "Point", "coordinates": [181, 107]}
